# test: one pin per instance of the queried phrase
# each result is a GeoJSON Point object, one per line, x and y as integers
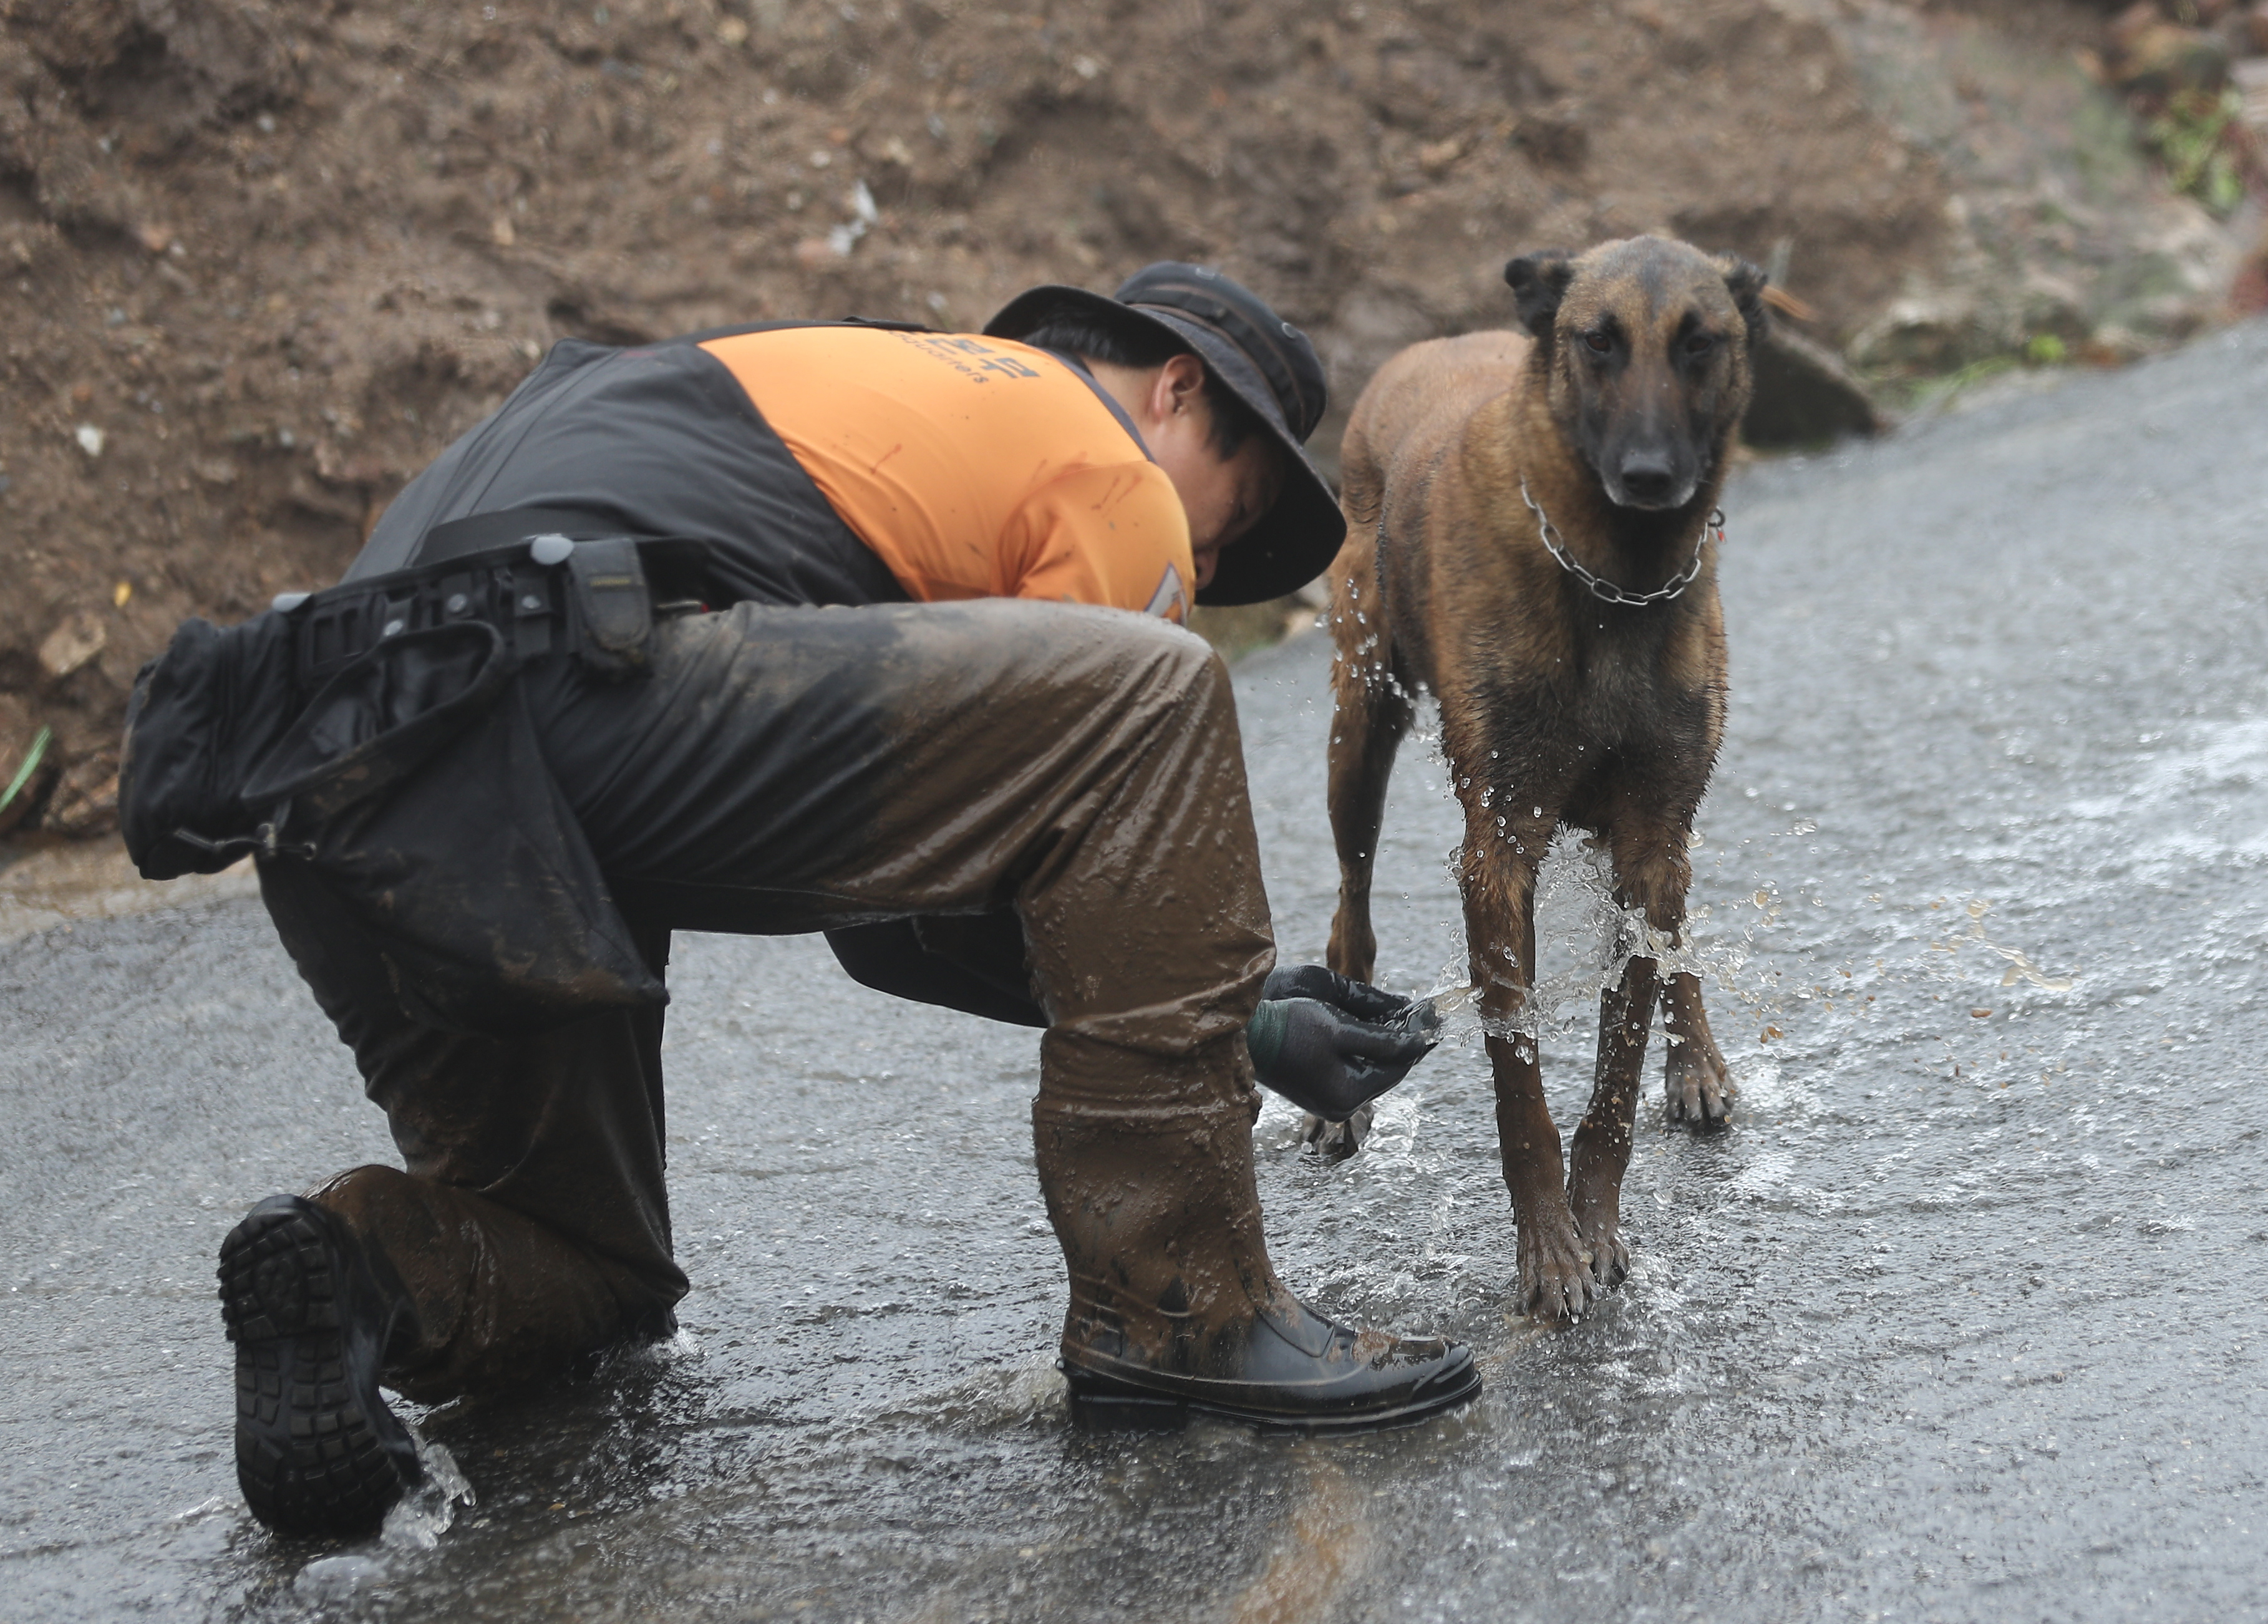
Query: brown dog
{"type": "Point", "coordinates": [1529, 538]}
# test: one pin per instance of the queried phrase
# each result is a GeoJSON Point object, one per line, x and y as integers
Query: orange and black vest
{"type": "Point", "coordinates": [844, 463]}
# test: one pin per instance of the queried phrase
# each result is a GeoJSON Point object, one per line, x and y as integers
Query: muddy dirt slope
{"type": "Point", "coordinates": [261, 259]}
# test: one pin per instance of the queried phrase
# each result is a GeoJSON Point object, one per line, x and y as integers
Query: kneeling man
{"type": "Point", "coordinates": [803, 627]}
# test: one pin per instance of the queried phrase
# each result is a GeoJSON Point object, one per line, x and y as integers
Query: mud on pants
{"type": "Point", "coordinates": [784, 770]}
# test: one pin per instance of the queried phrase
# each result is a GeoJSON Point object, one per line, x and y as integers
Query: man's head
{"type": "Point", "coordinates": [1226, 467]}
{"type": "Point", "coordinates": [1223, 393]}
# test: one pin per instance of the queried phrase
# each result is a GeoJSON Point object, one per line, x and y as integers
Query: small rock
{"type": "Point", "coordinates": [1436, 156]}
{"type": "Point", "coordinates": [500, 231]}
{"type": "Point", "coordinates": [2159, 58]}
{"type": "Point", "coordinates": [86, 802]}
{"type": "Point", "coordinates": [2053, 305]}
{"type": "Point", "coordinates": [213, 470]}
{"type": "Point", "coordinates": [89, 439]}
{"type": "Point", "coordinates": [1931, 330]}
{"type": "Point", "coordinates": [2111, 345]}
{"type": "Point", "coordinates": [72, 645]}
{"type": "Point", "coordinates": [732, 32]}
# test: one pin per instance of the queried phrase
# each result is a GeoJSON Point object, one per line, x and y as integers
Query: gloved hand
{"type": "Point", "coordinates": [1331, 1045]}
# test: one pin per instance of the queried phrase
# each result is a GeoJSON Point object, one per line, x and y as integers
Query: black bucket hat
{"type": "Point", "coordinates": [1266, 363]}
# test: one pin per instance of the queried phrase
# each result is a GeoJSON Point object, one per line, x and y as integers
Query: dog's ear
{"type": "Point", "coordinates": [1746, 283]}
{"type": "Point", "coordinates": [1538, 282]}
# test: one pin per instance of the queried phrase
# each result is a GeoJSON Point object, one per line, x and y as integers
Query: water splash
{"type": "Point", "coordinates": [1605, 936]}
{"type": "Point", "coordinates": [2021, 968]}
{"type": "Point", "coordinates": [421, 1516]}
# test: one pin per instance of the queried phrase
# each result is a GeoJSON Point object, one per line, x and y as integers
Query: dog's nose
{"type": "Point", "coordinates": [1647, 476]}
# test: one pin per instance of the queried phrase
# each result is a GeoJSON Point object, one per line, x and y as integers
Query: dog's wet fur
{"type": "Point", "coordinates": [1617, 408]}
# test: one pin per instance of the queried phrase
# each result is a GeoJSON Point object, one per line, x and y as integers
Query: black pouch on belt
{"type": "Point", "coordinates": [612, 607]}
{"type": "Point", "coordinates": [412, 788]}
{"type": "Point", "coordinates": [201, 714]}
{"type": "Point", "coordinates": [408, 797]}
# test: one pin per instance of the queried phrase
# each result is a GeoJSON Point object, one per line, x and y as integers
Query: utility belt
{"type": "Point", "coordinates": [520, 572]}
{"type": "Point", "coordinates": [368, 745]}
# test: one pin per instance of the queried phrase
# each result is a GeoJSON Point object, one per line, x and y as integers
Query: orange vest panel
{"type": "Point", "coordinates": [974, 467]}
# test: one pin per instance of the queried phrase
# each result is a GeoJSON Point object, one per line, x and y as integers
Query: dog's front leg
{"type": "Point", "coordinates": [1499, 885]}
{"type": "Point", "coordinates": [1602, 1139]}
{"type": "Point", "coordinates": [1700, 1087]}
{"type": "Point", "coordinates": [1370, 714]}
{"type": "Point", "coordinates": [1651, 872]}
{"type": "Point", "coordinates": [1371, 711]}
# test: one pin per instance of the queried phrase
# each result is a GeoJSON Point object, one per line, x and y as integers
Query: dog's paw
{"type": "Point", "coordinates": [1334, 1141]}
{"type": "Point", "coordinates": [1610, 1254]}
{"type": "Point", "coordinates": [1700, 1088]}
{"type": "Point", "coordinates": [1555, 1278]}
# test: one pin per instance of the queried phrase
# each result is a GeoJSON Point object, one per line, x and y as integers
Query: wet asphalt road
{"type": "Point", "coordinates": [1963, 1320]}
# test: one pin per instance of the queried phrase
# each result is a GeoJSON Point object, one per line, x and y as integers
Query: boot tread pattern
{"type": "Point", "coordinates": [308, 1456]}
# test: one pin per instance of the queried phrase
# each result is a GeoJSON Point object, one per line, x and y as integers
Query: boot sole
{"type": "Point", "coordinates": [1105, 1404]}
{"type": "Point", "coordinates": [317, 1451]}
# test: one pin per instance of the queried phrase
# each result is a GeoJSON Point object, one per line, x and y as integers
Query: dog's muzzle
{"type": "Point", "coordinates": [1650, 480]}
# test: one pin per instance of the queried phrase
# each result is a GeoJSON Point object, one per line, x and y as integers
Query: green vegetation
{"type": "Point", "coordinates": [1923, 393]}
{"type": "Point", "coordinates": [31, 759]}
{"type": "Point", "coordinates": [1907, 391]}
{"type": "Point", "coordinates": [2194, 135]}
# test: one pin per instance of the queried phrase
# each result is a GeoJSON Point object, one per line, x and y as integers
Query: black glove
{"type": "Point", "coordinates": [1331, 1045]}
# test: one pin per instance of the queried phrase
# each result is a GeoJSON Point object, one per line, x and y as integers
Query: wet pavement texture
{"type": "Point", "coordinates": [1962, 1320]}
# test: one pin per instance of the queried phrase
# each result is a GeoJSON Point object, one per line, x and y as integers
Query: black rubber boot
{"type": "Point", "coordinates": [1174, 1308]}
{"type": "Point", "coordinates": [317, 1451]}
{"type": "Point", "coordinates": [1286, 1370]}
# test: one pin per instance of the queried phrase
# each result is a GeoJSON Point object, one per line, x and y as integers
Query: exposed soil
{"type": "Point", "coordinates": [260, 260]}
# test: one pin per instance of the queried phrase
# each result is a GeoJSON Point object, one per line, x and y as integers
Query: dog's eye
{"type": "Point", "coordinates": [1599, 341]}
{"type": "Point", "coordinates": [1700, 343]}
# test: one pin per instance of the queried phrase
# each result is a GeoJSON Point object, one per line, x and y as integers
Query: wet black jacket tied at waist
{"type": "Point", "coordinates": [372, 737]}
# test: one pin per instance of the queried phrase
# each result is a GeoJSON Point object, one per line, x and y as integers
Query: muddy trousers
{"type": "Point", "coordinates": [783, 770]}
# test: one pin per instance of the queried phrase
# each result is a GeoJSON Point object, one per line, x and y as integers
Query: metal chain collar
{"type": "Point", "coordinates": [1606, 591]}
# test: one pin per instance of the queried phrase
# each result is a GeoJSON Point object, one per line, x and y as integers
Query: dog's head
{"type": "Point", "coordinates": [1649, 347]}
